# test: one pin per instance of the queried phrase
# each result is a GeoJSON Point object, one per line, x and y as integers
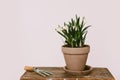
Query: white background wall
{"type": "Point", "coordinates": [28, 37]}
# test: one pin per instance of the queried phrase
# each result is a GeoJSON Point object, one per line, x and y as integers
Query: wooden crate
{"type": "Point", "coordinates": [60, 74]}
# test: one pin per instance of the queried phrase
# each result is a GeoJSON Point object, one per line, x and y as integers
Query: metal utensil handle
{"type": "Point", "coordinates": [43, 72]}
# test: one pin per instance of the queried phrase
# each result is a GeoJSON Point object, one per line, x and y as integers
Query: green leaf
{"type": "Point", "coordinates": [77, 22]}
{"type": "Point", "coordinates": [86, 28]}
{"type": "Point", "coordinates": [72, 21]}
{"type": "Point", "coordinates": [76, 16]}
{"type": "Point", "coordinates": [65, 24]}
{"type": "Point", "coordinates": [82, 23]}
{"type": "Point", "coordinates": [84, 37]}
{"type": "Point", "coordinates": [62, 34]}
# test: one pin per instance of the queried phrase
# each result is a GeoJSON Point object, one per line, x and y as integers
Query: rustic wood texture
{"type": "Point", "coordinates": [60, 74]}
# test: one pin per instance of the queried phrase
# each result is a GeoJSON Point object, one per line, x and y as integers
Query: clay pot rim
{"type": "Point", "coordinates": [65, 46]}
{"type": "Point", "coordinates": [78, 50]}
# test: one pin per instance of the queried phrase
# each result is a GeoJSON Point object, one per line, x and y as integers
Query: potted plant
{"type": "Point", "coordinates": [75, 50]}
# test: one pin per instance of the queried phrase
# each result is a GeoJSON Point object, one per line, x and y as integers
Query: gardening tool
{"type": "Point", "coordinates": [43, 73]}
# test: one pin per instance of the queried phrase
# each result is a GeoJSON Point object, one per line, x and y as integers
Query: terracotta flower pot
{"type": "Point", "coordinates": [76, 58]}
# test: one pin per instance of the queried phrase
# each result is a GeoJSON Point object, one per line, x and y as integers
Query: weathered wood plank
{"type": "Point", "coordinates": [60, 74]}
